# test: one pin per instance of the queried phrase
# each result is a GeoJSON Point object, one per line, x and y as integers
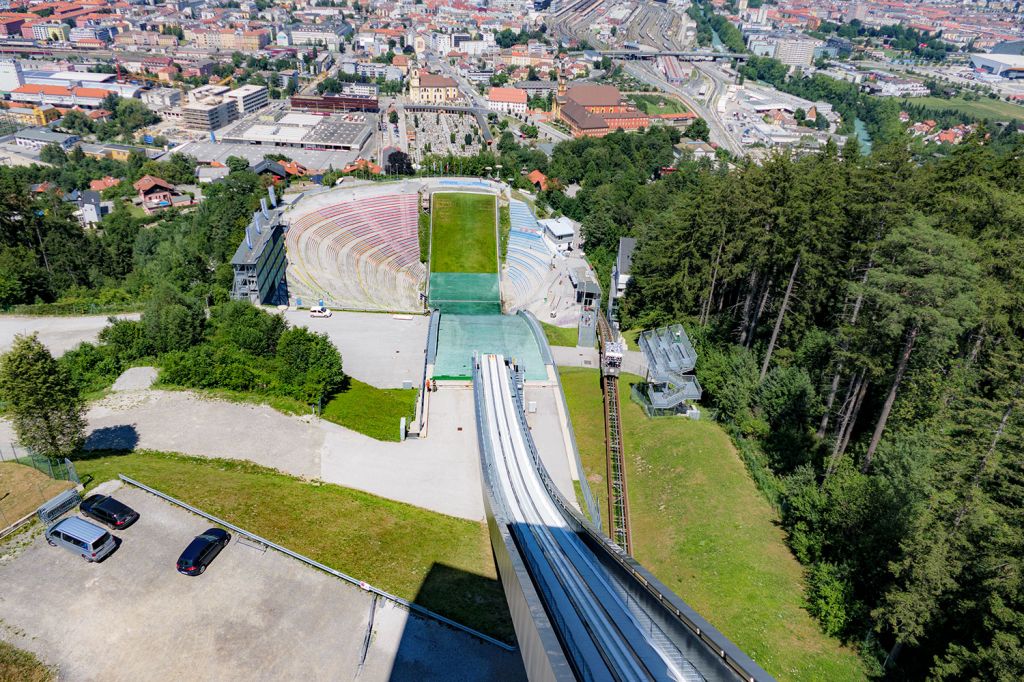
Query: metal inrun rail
{"type": "Point", "coordinates": [618, 492]}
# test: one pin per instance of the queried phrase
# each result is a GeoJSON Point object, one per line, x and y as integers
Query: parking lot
{"type": "Point", "coordinates": [381, 350]}
{"type": "Point", "coordinates": [58, 333]}
{"type": "Point", "coordinates": [253, 615]}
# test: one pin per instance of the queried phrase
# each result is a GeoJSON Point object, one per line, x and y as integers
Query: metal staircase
{"type": "Point", "coordinates": [670, 359]}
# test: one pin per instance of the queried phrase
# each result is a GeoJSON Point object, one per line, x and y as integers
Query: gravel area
{"type": "Point", "coordinates": [59, 334]}
{"type": "Point", "coordinates": [135, 378]}
{"type": "Point", "coordinates": [379, 349]}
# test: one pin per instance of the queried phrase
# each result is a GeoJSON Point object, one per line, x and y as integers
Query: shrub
{"type": "Point", "coordinates": [828, 597]}
{"type": "Point", "coordinates": [249, 328]}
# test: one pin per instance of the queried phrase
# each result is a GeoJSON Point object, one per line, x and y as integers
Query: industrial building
{"type": "Point", "coordinates": [347, 131]}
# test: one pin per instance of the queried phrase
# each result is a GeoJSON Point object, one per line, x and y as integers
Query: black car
{"type": "Point", "coordinates": [201, 551]}
{"type": "Point", "coordinates": [108, 511]}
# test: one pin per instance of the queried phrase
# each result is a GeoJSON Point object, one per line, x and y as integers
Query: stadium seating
{"type": "Point", "coordinates": [361, 253]}
{"type": "Point", "coordinates": [527, 260]}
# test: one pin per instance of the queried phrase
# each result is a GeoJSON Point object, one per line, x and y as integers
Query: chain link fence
{"type": "Point", "coordinates": [55, 469]}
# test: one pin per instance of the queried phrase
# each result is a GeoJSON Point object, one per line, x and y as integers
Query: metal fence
{"type": "Point", "coordinates": [55, 469]}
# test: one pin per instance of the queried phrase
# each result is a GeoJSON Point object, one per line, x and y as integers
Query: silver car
{"type": "Point", "coordinates": [81, 537]}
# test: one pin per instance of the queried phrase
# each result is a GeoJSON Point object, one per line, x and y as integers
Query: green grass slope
{"type": "Point", "coordinates": [464, 238]}
{"type": "Point", "coordinates": [701, 526]}
{"type": "Point", "coordinates": [439, 561]}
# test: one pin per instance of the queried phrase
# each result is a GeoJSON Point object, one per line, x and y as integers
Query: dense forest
{"type": "Point", "coordinates": [859, 320]}
{"type": "Point", "coordinates": [46, 256]}
{"type": "Point", "coordinates": [860, 330]}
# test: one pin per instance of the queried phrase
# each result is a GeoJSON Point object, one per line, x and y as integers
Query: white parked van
{"type": "Point", "coordinates": [319, 311]}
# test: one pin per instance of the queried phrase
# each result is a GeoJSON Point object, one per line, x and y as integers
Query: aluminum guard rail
{"type": "Point", "coordinates": [707, 650]}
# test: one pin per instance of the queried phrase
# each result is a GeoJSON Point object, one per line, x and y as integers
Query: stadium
{"type": "Point", "coordinates": [426, 245]}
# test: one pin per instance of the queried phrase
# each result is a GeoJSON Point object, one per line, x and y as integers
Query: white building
{"type": "Point", "coordinates": [250, 98]}
{"type": "Point", "coordinates": [796, 51]}
{"type": "Point", "coordinates": [507, 100]}
{"type": "Point", "coordinates": [11, 77]}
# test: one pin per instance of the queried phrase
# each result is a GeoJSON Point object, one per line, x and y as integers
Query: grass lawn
{"type": "Point", "coordinates": [21, 666]}
{"type": "Point", "coordinates": [992, 109]}
{"type": "Point", "coordinates": [463, 233]}
{"type": "Point", "coordinates": [366, 409]}
{"type": "Point", "coordinates": [22, 490]}
{"type": "Point", "coordinates": [439, 561]}
{"type": "Point", "coordinates": [700, 525]}
{"type": "Point", "coordinates": [424, 234]}
{"type": "Point", "coordinates": [658, 104]}
{"type": "Point", "coordinates": [560, 336]}
{"type": "Point", "coordinates": [375, 412]}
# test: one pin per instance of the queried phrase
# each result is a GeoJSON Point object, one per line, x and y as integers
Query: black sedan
{"type": "Point", "coordinates": [108, 511]}
{"type": "Point", "coordinates": [201, 551]}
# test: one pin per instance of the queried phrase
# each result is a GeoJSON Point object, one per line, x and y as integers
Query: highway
{"type": "Point", "coordinates": [606, 638]}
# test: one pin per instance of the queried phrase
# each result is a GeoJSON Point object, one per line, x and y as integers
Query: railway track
{"type": "Point", "coordinates": [615, 458]}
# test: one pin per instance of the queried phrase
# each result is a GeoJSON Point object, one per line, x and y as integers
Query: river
{"type": "Point", "coordinates": [861, 131]}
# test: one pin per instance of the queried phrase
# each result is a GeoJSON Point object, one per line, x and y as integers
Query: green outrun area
{"type": "Point", "coordinates": [464, 237]}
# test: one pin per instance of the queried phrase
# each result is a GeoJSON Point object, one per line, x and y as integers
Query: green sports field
{"type": "Point", "coordinates": [991, 109]}
{"type": "Point", "coordinates": [464, 238]}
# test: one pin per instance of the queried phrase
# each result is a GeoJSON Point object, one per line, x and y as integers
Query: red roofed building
{"type": "Point", "coordinates": [538, 179]}
{"type": "Point", "coordinates": [596, 110]}
{"type": "Point", "coordinates": [507, 100]}
{"type": "Point", "coordinates": [156, 194]}
{"type": "Point", "coordinates": [60, 96]}
{"type": "Point", "coordinates": [103, 183]}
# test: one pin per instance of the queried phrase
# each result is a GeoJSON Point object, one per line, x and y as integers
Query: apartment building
{"type": "Point", "coordinates": [250, 98]}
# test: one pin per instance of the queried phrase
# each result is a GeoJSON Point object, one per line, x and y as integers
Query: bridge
{"type": "Point", "coordinates": [582, 608]}
{"type": "Point", "coordinates": [686, 56]}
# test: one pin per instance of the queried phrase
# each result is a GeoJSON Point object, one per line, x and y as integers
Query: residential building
{"type": "Point", "coordinates": [362, 89]}
{"type": "Point", "coordinates": [430, 88]}
{"type": "Point", "coordinates": [46, 31]}
{"type": "Point", "coordinates": [507, 100]}
{"type": "Point", "coordinates": [316, 35]}
{"type": "Point", "coordinates": [156, 194]}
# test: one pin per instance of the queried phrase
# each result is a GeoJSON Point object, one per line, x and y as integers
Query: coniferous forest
{"type": "Point", "coordinates": [860, 329]}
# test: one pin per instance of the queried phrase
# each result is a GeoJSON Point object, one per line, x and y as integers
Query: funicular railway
{"type": "Point", "coordinates": [582, 608]}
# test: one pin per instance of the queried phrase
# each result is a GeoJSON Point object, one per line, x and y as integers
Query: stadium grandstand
{"type": "Point", "coordinates": [527, 260]}
{"type": "Point", "coordinates": [357, 249]}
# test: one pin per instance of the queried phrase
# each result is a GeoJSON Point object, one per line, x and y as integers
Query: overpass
{"type": "Point", "coordinates": [686, 56]}
{"type": "Point", "coordinates": [582, 608]}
